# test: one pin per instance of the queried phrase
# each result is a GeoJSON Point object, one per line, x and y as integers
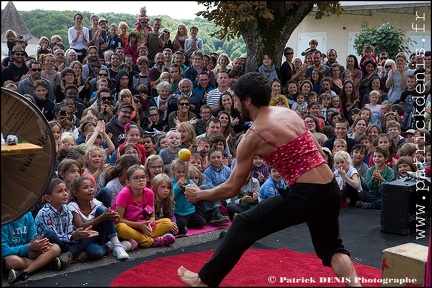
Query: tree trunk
{"type": "Point", "coordinates": [271, 36]}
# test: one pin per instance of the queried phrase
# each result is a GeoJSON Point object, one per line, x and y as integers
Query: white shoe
{"type": "Point", "coordinates": [129, 245]}
{"type": "Point", "coordinates": [120, 252]}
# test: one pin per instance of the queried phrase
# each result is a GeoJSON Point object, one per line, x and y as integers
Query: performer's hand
{"type": "Point", "coordinates": [191, 193]}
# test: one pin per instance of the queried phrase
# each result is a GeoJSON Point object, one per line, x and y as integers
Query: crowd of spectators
{"type": "Point", "coordinates": [122, 104]}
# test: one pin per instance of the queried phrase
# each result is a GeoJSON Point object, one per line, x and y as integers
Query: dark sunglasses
{"type": "Point", "coordinates": [106, 98]}
{"type": "Point", "coordinates": [388, 66]}
{"type": "Point", "coordinates": [184, 104]}
{"type": "Point", "coordinates": [382, 58]}
{"type": "Point", "coordinates": [289, 53]}
{"type": "Point", "coordinates": [137, 101]}
{"type": "Point", "coordinates": [102, 74]}
{"type": "Point", "coordinates": [36, 69]}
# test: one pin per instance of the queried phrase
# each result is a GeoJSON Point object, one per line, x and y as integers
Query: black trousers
{"type": "Point", "coordinates": [317, 205]}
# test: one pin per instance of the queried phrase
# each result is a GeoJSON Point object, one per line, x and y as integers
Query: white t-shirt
{"type": "Point", "coordinates": [350, 173]}
{"type": "Point", "coordinates": [94, 204]}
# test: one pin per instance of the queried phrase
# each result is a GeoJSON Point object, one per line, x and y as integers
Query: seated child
{"type": "Point", "coordinates": [184, 211]}
{"type": "Point", "coordinates": [404, 165]}
{"type": "Point", "coordinates": [300, 103]}
{"type": "Point", "coordinates": [55, 222]}
{"type": "Point", "coordinates": [217, 173]}
{"type": "Point", "coordinates": [260, 169]}
{"type": "Point", "coordinates": [162, 186]}
{"type": "Point", "coordinates": [23, 253]}
{"type": "Point", "coordinates": [169, 153]}
{"type": "Point", "coordinates": [90, 212]}
{"type": "Point", "coordinates": [211, 211]}
{"type": "Point", "coordinates": [339, 145]}
{"type": "Point", "coordinates": [375, 177]}
{"type": "Point", "coordinates": [358, 153]}
{"type": "Point", "coordinates": [367, 142]}
{"type": "Point", "coordinates": [272, 185]}
{"type": "Point", "coordinates": [347, 177]}
{"type": "Point", "coordinates": [135, 206]}
{"type": "Point", "coordinates": [246, 198]}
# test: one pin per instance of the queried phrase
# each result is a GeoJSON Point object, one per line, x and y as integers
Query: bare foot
{"type": "Point", "coordinates": [190, 278]}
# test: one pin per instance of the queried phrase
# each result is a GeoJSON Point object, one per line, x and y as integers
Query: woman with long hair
{"type": "Point", "coordinates": [226, 102]}
{"type": "Point", "coordinates": [352, 67]}
{"type": "Point", "coordinates": [348, 97]}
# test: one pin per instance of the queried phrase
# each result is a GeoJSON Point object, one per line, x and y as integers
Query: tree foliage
{"type": "Point", "coordinates": [384, 38]}
{"type": "Point", "coordinates": [265, 26]}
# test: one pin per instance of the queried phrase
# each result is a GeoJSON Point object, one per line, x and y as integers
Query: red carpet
{"type": "Point", "coordinates": [255, 268]}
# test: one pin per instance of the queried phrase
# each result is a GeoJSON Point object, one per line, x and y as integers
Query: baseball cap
{"type": "Point", "coordinates": [126, 105]}
{"type": "Point", "coordinates": [409, 131]}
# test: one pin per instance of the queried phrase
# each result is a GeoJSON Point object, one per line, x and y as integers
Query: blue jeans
{"type": "Point", "coordinates": [95, 246]}
{"type": "Point", "coordinates": [105, 196]}
{"type": "Point", "coordinates": [87, 245]}
{"type": "Point", "coordinates": [106, 228]}
{"type": "Point", "coordinates": [374, 198]}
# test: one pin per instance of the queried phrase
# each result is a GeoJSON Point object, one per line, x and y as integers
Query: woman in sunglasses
{"type": "Point", "coordinates": [182, 114]}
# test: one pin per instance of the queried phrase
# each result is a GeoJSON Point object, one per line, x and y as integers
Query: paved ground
{"type": "Point", "coordinates": [111, 260]}
{"type": "Point", "coordinates": [360, 230]}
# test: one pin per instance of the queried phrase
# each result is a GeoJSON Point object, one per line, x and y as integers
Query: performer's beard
{"type": "Point", "coordinates": [245, 113]}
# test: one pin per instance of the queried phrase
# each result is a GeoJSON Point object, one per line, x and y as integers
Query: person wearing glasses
{"type": "Point", "coordinates": [287, 68]}
{"type": "Point", "coordinates": [182, 114]}
{"type": "Point", "coordinates": [140, 225]}
{"type": "Point", "coordinates": [16, 68]}
{"type": "Point", "coordinates": [103, 72]}
{"type": "Point", "coordinates": [26, 86]}
{"type": "Point", "coordinates": [103, 104]}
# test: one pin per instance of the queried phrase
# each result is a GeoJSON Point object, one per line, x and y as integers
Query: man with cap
{"type": "Point", "coordinates": [103, 23]}
{"type": "Point", "coordinates": [116, 125]}
{"type": "Point", "coordinates": [16, 68]}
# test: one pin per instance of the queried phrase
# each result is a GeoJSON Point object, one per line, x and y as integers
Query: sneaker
{"type": "Point", "coordinates": [65, 260]}
{"type": "Point", "coordinates": [164, 241]}
{"type": "Point", "coordinates": [119, 252]}
{"type": "Point", "coordinates": [363, 205]}
{"type": "Point", "coordinates": [109, 245]}
{"type": "Point", "coordinates": [81, 257]}
{"type": "Point", "coordinates": [55, 264]}
{"type": "Point", "coordinates": [129, 245]}
{"type": "Point", "coordinates": [15, 275]}
{"type": "Point", "coordinates": [218, 218]}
